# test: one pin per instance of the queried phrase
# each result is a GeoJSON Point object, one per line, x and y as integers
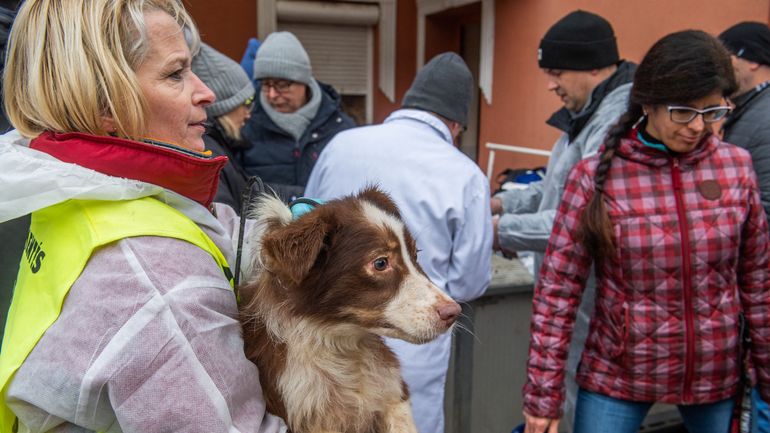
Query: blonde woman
{"type": "Point", "coordinates": [124, 317]}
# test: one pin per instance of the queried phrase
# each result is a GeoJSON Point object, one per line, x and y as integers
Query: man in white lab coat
{"type": "Point", "coordinates": [443, 197]}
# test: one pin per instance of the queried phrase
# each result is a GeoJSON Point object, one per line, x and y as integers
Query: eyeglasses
{"type": "Point", "coordinates": [280, 86]}
{"type": "Point", "coordinates": [249, 103]}
{"type": "Point", "coordinates": [687, 114]}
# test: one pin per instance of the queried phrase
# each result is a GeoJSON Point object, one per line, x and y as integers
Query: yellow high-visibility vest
{"type": "Point", "coordinates": [60, 242]}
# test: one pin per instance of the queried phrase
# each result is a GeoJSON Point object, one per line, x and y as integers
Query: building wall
{"type": "Point", "coordinates": [225, 25]}
{"type": "Point", "coordinates": [521, 103]}
{"type": "Point", "coordinates": [406, 59]}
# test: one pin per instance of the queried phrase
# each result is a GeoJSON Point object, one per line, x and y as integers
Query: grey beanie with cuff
{"type": "Point", "coordinates": [230, 84]}
{"type": "Point", "coordinates": [282, 55]}
{"type": "Point", "coordinates": [443, 86]}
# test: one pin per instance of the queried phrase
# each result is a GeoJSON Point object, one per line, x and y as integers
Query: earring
{"type": "Point", "coordinates": [641, 119]}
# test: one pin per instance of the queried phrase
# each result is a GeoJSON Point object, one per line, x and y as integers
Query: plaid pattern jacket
{"type": "Point", "coordinates": [691, 253]}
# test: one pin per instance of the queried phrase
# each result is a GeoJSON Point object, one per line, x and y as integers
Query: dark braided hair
{"type": "Point", "coordinates": [679, 68]}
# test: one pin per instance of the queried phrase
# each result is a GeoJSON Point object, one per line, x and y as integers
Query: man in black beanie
{"type": "Point", "coordinates": [579, 56]}
{"type": "Point", "coordinates": [748, 126]}
{"type": "Point", "coordinates": [442, 195]}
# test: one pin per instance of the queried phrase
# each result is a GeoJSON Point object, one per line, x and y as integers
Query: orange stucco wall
{"type": "Point", "coordinates": [225, 25]}
{"type": "Point", "coordinates": [521, 102]}
{"type": "Point", "coordinates": [406, 59]}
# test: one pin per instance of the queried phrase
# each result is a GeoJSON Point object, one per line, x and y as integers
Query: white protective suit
{"type": "Point", "coordinates": [444, 200]}
{"type": "Point", "coordinates": [148, 338]}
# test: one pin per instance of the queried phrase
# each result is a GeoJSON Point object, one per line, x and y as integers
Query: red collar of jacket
{"type": "Point", "coordinates": [191, 174]}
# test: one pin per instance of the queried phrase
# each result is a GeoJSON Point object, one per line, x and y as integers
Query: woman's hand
{"type": "Point", "coordinates": [540, 425]}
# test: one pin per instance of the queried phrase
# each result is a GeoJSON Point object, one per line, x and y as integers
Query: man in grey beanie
{"type": "Point", "coordinates": [579, 57]}
{"type": "Point", "coordinates": [443, 197]}
{"type": "Point", "coordinates": [294, 118]}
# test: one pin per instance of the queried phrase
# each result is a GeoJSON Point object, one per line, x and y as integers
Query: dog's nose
{"type": "Point", "coordinates": [448, 313]}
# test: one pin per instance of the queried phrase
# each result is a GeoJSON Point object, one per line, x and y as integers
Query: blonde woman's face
{"type": "Point", "coordinates": [240, 115]}
{"type": "Point", "coordinates": [176, 97]}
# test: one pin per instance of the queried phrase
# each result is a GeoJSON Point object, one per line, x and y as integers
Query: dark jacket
{"type": "Point", "coordinates": [232, 179]}
{"type": "Point", "coordinates": [749, 127]}
{"type": "Point", "coordinates": [277, 158]}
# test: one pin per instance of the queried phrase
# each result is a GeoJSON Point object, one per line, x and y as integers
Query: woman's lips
{"type": "Point", "coordinates": [201, 126]}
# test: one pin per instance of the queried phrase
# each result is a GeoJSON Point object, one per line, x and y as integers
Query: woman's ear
{"type": "Point", "coordinates": [108, 124]}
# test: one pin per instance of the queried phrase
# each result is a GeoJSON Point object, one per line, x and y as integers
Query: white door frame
{"type": "Point", "coordinates": [486, 63]}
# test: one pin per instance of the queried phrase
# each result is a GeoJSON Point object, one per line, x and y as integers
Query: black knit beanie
{"type": "Point", "coordinates": [443, 86]}
{"type": "Point", "coordinates": [580, 41]}
{"type": "Point", "coordinates": [748, 40]}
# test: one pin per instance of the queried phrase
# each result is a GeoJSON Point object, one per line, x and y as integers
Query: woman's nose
{"type": "Point", "coordinates": [697, 123]}
{"type": "Point", "coordinates": [202, 95]}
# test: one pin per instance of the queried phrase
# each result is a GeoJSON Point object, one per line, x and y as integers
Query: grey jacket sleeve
{"type": "Point", "coordinates": [524, 200]}
{"type": "Point", "coordinates": [526, 232]}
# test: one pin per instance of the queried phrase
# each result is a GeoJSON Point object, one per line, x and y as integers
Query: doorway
{"type": "Point", "coordinates": [459, 30]}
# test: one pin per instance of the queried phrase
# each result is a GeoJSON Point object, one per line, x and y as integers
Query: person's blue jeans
{"type": "Point", "coordinates": [760, 414]}
{"type": "Point", "coordinates": [597, 413]}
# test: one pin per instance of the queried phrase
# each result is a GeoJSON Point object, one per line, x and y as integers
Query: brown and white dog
{"type": "Point", "coordinates": [326, 287]}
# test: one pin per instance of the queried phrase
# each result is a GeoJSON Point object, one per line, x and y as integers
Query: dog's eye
{"type": "Point", "coordinates": [380, 264]}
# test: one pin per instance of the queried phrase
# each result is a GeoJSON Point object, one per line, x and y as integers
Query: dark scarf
{"type": "Point", "coordinates": [572, 124]}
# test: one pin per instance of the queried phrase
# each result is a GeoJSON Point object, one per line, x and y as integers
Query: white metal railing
{"type": "Point", "coordinates": [509, 148]}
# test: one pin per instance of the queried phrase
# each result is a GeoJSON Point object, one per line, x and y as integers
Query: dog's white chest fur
{"type": "Point", "coordinates": [340, 374]}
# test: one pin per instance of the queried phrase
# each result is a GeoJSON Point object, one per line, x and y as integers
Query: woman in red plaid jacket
{"type": "Point", "coordinates": [671, 218]}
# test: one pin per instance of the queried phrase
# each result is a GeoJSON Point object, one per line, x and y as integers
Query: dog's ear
{"type": "Point", "coordinates": [290, 251]}
{"type": "Point", "coordinates": [373, 194]}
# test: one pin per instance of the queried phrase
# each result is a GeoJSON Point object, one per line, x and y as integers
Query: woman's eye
{"type": "Point", "coordinates": [176, 75]}
{"type": "Point", "coordinates": [380, 264]}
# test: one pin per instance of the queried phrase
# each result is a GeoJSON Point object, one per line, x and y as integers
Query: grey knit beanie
{"type": "Point", "coordinates": [281, 55]}
{"type": "Point", "coordinates": [224, 77]}
{"type": "Point", "coordinates": [444, 86]}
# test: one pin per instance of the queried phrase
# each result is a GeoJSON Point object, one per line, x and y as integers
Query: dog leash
{"type": "Point", "coordinates": [246, 195]}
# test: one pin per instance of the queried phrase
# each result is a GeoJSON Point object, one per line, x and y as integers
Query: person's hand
{"type": "Point", "coordinates": [496, 240]}
{"type": "Point", "coordinates": [496, 205]}
{"type": "Point", "coordinates": [535, 424]}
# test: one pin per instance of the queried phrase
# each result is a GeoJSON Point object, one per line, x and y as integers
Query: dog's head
{"type": "Point", "coordinates": [353, 261]}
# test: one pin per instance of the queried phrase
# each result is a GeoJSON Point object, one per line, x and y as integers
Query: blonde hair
{"type": "Point", "coordinates": [229, 125]}
{"type": "Point", "coordinates": [72, 63]}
